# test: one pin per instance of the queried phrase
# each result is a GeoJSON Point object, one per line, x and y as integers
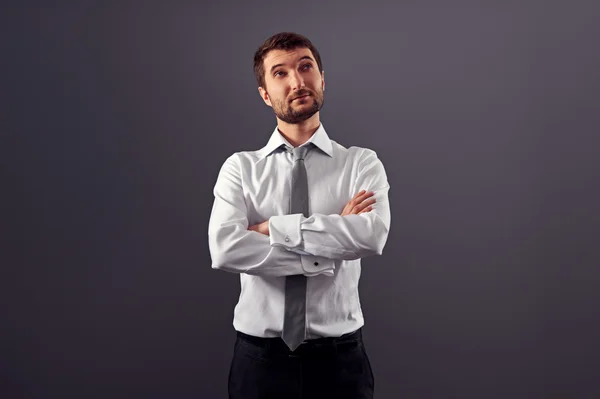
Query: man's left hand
{"type": "Point", "coordinates": [262, 228]}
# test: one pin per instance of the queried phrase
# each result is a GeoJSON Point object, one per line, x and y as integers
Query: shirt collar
{"type": "Point", "coordinates": [320, 139]}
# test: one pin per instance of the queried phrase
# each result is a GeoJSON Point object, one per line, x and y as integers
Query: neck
{"type": "Point", "coordinates": [299, 133]}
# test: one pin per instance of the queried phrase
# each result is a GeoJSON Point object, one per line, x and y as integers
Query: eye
{"type": "Point", "coordinates": [307, 65]}
{"type": "Point", "coordinates": [278, 72]}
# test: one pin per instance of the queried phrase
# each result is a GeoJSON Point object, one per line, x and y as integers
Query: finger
{"type": "Point", "coordinates": [367, 209]}
{"type": "Point", "coordinates": [363, 192]}
{"type": "Point", "coordinates": [358, 198]}
{"type": "Point", "coordinates": [368, 203]}
{"type": "Point", "coordinates": [365, 195]}
{"type": "Point", "coordinates": [364, 204]}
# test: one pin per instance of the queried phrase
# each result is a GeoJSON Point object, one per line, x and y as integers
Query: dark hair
{"type": "Point", "coordinates": [281, 41]}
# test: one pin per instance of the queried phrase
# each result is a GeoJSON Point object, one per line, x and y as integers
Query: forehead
{"type": "Point", "coordinates": [278, 56]}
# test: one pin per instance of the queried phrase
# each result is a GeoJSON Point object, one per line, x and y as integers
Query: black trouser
{"type": "Point", "coordinates": [265, 368]}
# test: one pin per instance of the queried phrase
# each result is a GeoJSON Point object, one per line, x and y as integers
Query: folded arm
{"type": "Point", "coordinates": [340, 237]}
{"type": "Point", "coordinates": [234, 248]}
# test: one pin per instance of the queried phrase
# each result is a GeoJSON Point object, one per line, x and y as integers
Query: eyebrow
{"type": "Point", "coordinates": [306, 57]}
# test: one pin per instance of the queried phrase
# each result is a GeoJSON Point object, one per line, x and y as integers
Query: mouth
{"type": "Point", "coordinates": [304, 96]}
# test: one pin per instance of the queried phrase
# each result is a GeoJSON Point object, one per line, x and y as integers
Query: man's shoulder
{"type": "Point", "coordinates": [355, 151]}
{"type": "Point", "coordinates": [241, 155]}
{"type": "Point", "coordinates": [246, 155]}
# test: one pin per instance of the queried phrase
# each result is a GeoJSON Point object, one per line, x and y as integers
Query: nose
{"type": "Point", "coordinates": [296, 80]}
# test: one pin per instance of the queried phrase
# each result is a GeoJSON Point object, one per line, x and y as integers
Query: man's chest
{"type": "Point", "coordinates": [267, 187]}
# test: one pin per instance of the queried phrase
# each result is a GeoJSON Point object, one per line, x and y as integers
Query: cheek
{"type": "Point", "coordinates": [316, 83]}
{"type": "Point", "coordinates": [279, 96]}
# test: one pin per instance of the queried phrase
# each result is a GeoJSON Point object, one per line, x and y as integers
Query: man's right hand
{"type": "Point", "coordinates": [358, 205]}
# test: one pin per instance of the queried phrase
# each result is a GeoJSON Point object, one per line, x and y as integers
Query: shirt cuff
{"type": "Point", "coordinates": [284, 230]}
{"type": "Point", "coordinates": [315, 265]}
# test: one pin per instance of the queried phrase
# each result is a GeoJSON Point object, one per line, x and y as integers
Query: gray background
{"type": "Point", "coordinates": [115, 120]}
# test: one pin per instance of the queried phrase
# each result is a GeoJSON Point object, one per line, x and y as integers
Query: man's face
{"type": "Point", "coordinates": [294, 85]}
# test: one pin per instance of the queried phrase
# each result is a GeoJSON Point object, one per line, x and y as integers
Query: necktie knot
{"type": "Point", "coordinates": [299, 153]}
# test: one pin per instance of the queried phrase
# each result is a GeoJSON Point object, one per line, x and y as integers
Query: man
{"type": "Point", "coordinates": [294, 219]}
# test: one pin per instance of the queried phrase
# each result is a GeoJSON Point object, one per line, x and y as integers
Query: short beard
{"type": "Point", "coordinates": [286, 113]}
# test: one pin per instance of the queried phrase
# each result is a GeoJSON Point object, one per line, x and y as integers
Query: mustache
{"type": "Point", "coordinates": [302, 94]}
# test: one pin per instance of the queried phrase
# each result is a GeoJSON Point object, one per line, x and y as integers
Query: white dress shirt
{"type": "Point", "coordinates": [255, 186]}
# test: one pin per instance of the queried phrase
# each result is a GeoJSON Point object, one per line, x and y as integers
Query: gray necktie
{"type": "Point", "coordinates": [294, 320]}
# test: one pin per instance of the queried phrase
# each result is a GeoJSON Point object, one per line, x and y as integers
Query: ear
{"type": "Point", "coordinates": [323, 80]}
{"type": "Point", "coordinates": [264, 95]}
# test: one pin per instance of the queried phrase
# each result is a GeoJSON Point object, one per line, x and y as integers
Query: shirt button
{"type": "Point", "coordinates": [316, 263]}
{"type": "Point", "coordinates": [287, 238]}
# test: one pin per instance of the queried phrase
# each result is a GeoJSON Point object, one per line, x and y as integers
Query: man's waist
{"type": "Point", "coordinates": [277, 342]}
